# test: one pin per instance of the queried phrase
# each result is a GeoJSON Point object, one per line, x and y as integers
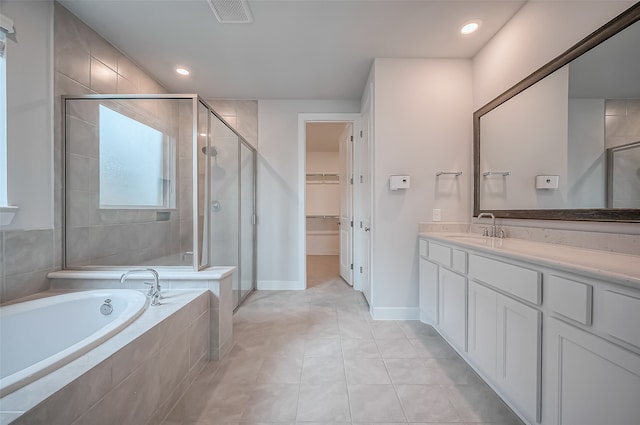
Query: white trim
{"type": "Point", "coordinates": [281, 285]}
{"type": "Point", "coordinates": [395, 313]}
{"type": "Point", "coordinates": [303, 118]}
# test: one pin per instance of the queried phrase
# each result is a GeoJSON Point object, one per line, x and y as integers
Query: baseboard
{"type": "Point", "coordinates": [395, 313]}
{"type": "Point", "coordinates": [425, 318]}
{"type": "Point", "coordinates": [280, 285]}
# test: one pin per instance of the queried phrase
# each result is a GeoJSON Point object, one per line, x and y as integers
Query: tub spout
{"type": "Point", "coordinates": [154, 289]}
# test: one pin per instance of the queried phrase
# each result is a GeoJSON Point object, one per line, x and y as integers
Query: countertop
{"type": "Point", "coordinates": [623, 269]}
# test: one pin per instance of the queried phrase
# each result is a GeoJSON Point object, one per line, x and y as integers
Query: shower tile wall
{"type": "Point", "coordinates": [622, 122]}
{"type": "Point", "coordinates": [99, 236]}
{"type": "Point", "coordinates": [242, 115]}
{"type": "Point", "coordinates": [85, 63]}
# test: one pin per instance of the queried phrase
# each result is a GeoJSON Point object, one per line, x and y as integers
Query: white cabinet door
{"type": "Point", "coordinates": [452, 289]}
{"type": "Point", "coordinates": [428, 292]}
{"type": "Point", "coordinates": [482, 329]}
{"type": "Point", "coordinates": [519, 350]}
{"type": "Point", "coordinates": [588, 380]}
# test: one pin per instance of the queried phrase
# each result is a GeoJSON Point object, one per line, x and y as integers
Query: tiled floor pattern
{"type": "Point", "coordinates": [315, 356]}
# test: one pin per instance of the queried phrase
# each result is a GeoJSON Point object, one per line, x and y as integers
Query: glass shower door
{"type": "Point", "coordinates": [225, 187]}
{"type": "Point", "coordinates": [247, 220]}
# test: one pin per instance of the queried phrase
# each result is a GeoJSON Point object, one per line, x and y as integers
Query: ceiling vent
{"type": "Point", "coordinates": [231, 11]}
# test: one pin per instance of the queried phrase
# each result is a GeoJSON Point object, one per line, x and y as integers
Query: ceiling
{"type": "Point", "coordinates": [294, 49]}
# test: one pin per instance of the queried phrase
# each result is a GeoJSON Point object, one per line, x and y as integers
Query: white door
{"type": "Point", "coordinates": [346, 204]}
{"type": "Point", "coordinates": [362, 178]}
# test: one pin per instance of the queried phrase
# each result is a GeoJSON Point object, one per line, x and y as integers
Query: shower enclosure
{"type": "Point", "coordinates": [157, 181]}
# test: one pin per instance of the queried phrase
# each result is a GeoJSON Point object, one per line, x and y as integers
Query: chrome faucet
{"type": "Point", "coordinates": [154, 288]}
{"type": "Point", "coordinates": [493, 233]}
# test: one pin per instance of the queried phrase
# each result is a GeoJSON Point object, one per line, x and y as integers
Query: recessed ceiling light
{"type": "Point", "coordinates": [469, 27]}
{"type": "Point", "coordinates": [182, 71]}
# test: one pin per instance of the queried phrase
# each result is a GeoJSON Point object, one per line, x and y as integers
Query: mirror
{"type": "Point", "coordinates": [564, 143]}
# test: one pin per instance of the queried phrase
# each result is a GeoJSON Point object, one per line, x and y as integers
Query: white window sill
{"type": "Point", "coordinates": [7, 214]}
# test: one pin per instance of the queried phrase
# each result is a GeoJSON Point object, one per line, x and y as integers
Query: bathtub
{"type": "Point", "coordinates": [41, 335]}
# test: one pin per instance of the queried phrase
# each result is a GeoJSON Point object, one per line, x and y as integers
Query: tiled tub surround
{"type": "Point", "coordinates": [552, 328]}
{"type": "Point", "coordinates": [26, 256]}
{"type": "Point", "coordinates": [217, 281]}
{"type": "Point", "coordinates": [134, 378]}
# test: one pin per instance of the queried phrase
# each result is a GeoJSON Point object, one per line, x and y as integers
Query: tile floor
{"type": "Point", "coordinates": [315, 356]}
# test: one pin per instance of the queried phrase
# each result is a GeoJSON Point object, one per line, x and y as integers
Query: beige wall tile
{"type": "Point", "coordinates": [103, 78]}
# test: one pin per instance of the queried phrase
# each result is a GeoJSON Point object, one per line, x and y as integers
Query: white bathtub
{"type": "Point", "coordinates": [41, 335]}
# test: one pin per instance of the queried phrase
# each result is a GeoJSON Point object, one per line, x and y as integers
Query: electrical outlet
{"type": "Point", "coordinates": [437, 214]}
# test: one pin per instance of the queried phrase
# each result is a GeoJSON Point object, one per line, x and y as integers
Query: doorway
{"type": "Point", "coordinates": [328, 201]}
{"type": "Point", "coordinates": [326, 162]}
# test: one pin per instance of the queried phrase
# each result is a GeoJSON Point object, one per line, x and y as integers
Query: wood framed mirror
{"type": "Point", "coordinates": [540, 148]}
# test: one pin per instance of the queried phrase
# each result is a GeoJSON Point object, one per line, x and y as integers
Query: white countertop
{"type": "Point", "coordinates": [623, 269]}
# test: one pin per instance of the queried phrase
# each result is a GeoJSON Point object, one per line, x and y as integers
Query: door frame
{"type": "Point", "coordinates": [303, 119]}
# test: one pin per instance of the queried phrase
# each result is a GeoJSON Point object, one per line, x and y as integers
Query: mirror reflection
{"type": "Point", "coordinates": [547, 147]}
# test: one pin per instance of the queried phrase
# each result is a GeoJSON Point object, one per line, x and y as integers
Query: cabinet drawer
{"type": "Point", "coordinates": [424, 250]}
{"type": "Point", "coordinates": [459, 260]}
{"type": "Point", "coordinates": [620, 316]}
{"type": "Point", "coordinates": [569, 298]}
{"type": "Point", "coordinates": [515, 280]}
{"type": "Point", "coordinates": [440, 253]}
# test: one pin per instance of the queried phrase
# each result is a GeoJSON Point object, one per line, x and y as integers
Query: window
{"type": "Point", "coordinates": [135, 169]}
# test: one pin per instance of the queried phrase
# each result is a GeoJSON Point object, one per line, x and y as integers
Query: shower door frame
{"type": "Point", "coordinates": [195, 99]}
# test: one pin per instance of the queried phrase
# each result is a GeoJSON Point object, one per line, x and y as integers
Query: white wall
{"type": "Point", "coordinates": [422, 125]}
{"type": "Point", "coordinates": [540, 31]}
{"type": "Point", "coordinates": [526, 136]}
{"type": "Point", "coordinates": [278, 181]}
{"type": "Point", "coordinates": [30, 114]}
{"type": "Point", "coordinates": [586, 153]}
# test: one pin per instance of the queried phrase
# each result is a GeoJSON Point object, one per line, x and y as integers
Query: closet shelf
{"type": "Point", "coordinates": [322, 216]}
{"type": "Point", "coordinates": [323, 178]}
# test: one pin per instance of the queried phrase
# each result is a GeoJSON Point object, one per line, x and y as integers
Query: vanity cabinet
{"type": "Point", "coordinates": [452, 307]}
{"type": "Point", "coordinates": [428, 291]}
{"type": "Point", "coordinates": [483, 329]}
{"type": "Point", "coordinates": [504, 346]}
{"type": "Point", "coordinates": [560, 348]}
{"type": "Point", "coordinates": [519, 368]}
{"type": "Point", "coordinates": [443, 291]}
{"type": "Point", "coordinates": [588, 380]}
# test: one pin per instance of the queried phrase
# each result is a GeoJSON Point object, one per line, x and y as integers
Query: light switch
{"type": "Point", "coordinates": [437, 214]}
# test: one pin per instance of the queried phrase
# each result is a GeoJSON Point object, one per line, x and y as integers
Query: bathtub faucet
{"type": "Point", "coordinates": [154, 289]}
